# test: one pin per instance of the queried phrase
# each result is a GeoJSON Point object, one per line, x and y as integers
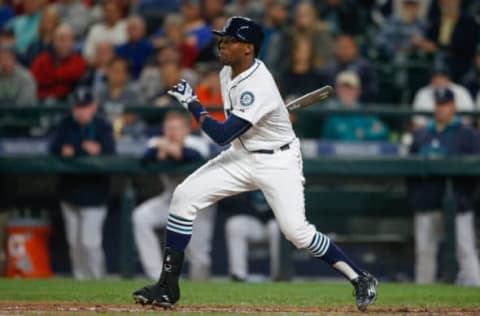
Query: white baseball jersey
{"type": "Point", "coordinates": [254, 97]}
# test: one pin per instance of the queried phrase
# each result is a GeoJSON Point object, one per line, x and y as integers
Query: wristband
{"type": "Point", "coordinates": [197, 109]}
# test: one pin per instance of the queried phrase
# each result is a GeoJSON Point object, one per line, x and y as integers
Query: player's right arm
{"type": "Point", "coordinates": [221, 133]}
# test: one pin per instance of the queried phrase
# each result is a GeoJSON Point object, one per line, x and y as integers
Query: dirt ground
{"type": "Point", "coordinates": [49, 308]}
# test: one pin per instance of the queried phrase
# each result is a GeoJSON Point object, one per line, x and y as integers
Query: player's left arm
{"type": "Point", "coordinates": [221, 133]}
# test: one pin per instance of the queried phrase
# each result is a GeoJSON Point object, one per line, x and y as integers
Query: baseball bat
{"type": "Point", "coordinates": [310, 98]}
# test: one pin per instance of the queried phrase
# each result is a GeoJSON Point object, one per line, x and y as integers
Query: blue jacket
{"type": "Point", "coordinates": [455, 140]}
{"type": "Point", "coordinates": [137, 55]}
{"type": "Point", "coordinates": [84, 189]}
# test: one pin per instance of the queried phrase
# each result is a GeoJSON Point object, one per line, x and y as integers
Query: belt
{"type": "Point", "coordinates": [271, 151]}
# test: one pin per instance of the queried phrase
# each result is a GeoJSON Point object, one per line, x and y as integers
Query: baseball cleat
{"type": "Point", "coordinates": [146, 295]}
{"type": "Point", "coordinates": [365, 290]}
{"type": "Point", "coordinates": [166, 292]}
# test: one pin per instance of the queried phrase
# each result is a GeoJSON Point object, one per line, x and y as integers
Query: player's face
{"type": "Point", "coordinates": [232, 50]}
{"type": "Point", "coordinates": [175, 129]}
{"type": "Point", "coordinates": [445, 112]}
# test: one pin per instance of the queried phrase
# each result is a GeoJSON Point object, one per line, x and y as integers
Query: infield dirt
{"type": "Point", "coordinates": [76, 308]}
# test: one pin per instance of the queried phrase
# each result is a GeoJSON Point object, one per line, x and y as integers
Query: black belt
{"type": "Point", "coordinates": [271, 151]}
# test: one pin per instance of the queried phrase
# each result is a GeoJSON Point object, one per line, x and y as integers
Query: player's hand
{"type": "Point", "coordinates": [91, 147]}
{"type": "Point", "coordinates": [183, 92]}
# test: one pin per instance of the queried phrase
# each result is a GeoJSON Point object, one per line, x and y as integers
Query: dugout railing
{"type": "Point", "coordinates": [321, 201]}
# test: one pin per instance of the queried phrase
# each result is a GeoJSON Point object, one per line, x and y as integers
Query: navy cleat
{"type": "Point", "coordinates": [166, 292]}
{"type": "Point", "coordinates": [365, 290]}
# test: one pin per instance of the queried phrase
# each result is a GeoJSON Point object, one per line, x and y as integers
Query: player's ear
{"type": "Point", "coordinates": [250, 49]}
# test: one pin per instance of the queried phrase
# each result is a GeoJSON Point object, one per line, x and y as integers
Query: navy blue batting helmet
{"type": "Point", "coordinates": [243, 29]}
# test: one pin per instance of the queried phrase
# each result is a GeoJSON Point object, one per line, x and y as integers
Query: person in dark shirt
{"type": "Point", "coordinates": [137, 50]}
{"type": "Point", "coordinates": [175, 145]}
{"type": "Point", "coordinates": [445, 136]}
{"type": "Point", "coordinates": [83, 196]}
{"type": "Point", "coordinates": [347, 58]}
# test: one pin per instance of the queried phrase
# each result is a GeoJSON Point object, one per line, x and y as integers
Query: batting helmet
{"type": "Point", "coordinates": [243, 29]}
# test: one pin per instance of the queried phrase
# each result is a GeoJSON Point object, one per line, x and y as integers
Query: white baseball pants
{"type": "Point", "coordinates": [243, 230]}
{"type": "Point", "coordinates": [84, 231]}
{"type": "Point", "coordinates": [428, 234]}
{"type": "Point", "coordinates": [279, 176]}
{"type": "Point", "coordinates": [153, 214]}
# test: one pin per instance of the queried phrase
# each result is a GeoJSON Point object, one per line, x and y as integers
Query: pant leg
{"type": "Point", "coordinates": [71, 218]}
{"type": "Point", "coordinates": [467, 256]}
{"type": "Point", "coordinates": [226, 175]}
{"type": "Point", "coordinates": [91, 238]}
{"type": "Point", "coordinates": [428, 232]}
{"type": "Point", "coordinates": [273, 235]}
{"type": "Point", "coordinates": [147, 217]}
{"type": "Point", "coordinates": [280, 178]}
{"type": "Point", "coordinates": [239, 231]}
{"type": "Point", "coordinates": [200, 246]}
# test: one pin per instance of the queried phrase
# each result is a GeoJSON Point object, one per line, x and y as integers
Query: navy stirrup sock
{"type": "Point", "coordinates": [179, 232]}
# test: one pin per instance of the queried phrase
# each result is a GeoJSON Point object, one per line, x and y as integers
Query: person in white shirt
{"type": "Point", "coordinates": [113, 29]}
{"type": "Point", "coordinates": [424, 100]}
{"type": "Point", "coordinates": [264, 154]}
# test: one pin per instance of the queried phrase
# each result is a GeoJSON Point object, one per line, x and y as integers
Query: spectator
{"type": "Point", "coordinates": [174, 145]}
{"type": "Point", "coordinates": [119, 90]}
{"type": "Point", "coordinates": [83, 197]}
{"type": "Point", "coordinates": [96, 75]}
{"type": "Point", "coordinates": [445, 137]}
{"type": "Point", "coordinates": [306, 23]}
{"type": "Point", "coordinates": [25, 26]}
{"type": "Point", "coordinates": [7, 37]}
{"type": "Point", "coordinates": [352, 127]}
{"type": "Point", "coordinates": [424, 98]}
{"type": "Point", "coordinates": [424, 6]}
{"type": "Point", "coordinates": [46, 30]}
{"type": "Point", "coordinates": [406, 28]}
{"type": "Point", "coordinates": [113, 28]}
{"type": "Point", "coordinates": [152, 80]}
{"type": "Point", "coordinates": [472, 78]}
{"type": "Point", "coordinates": [276, 43]}
{"type": "Point", "coordinates": [347, 58]}
{"type": "Point", "coordinates": [250, 8]}
{"type": "Point", "coordinates": [198, 32]}
{"type": "Point", "coordinates": [212, 9]}
{"type": "Point", "coordinates": [242, 230]}
{"type": "Point", "coordinates": [58, 71]}
{"type": "Point", "coordinates": [17, 86]}
{"type": "Point", "coordinates": [209, 94]}
{"type": "Point", "coordinates": [302, 77]}
{"type": "Point", "coordinates": [6, 13]}
{"type": "Point", "coordinates": [174, 35]}
{"type": "Point", "coordinates": [343, 16]}
{"type": "Point", "coordinates": [453, 37]}
{"type": "Point", "coordinates": [75, 13]}
{"type": "Point", "coordinates": [138, 49]}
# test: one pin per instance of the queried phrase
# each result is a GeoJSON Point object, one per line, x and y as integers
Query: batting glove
{"type": "Point", "coordinates": [183, 92]}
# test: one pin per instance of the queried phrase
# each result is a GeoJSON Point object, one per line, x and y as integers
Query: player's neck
{"type": "Point", "coordinates": [241, 66]}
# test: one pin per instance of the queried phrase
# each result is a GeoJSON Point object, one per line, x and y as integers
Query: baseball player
{"type": "Point", "coordinates": [264, 154]}
{"type": "Point", "coordinates": [176, 144]}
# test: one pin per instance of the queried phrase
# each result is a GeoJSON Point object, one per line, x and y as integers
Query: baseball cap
{"type": "Point", "coordinates": [348, 78]}
{"type": "Point", "coordinates": [244, 29]}
{"type": "Point", "coordinates": [443, 95]}
{"type": "Point", "coordinates": [82, 97]}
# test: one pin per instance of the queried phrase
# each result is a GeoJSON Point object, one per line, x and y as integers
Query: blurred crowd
{"type": "Point", "coordinates": [129, 52]}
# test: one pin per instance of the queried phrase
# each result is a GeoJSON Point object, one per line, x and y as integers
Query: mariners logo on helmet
{"type": "Point", "coordinates": [247, 98]}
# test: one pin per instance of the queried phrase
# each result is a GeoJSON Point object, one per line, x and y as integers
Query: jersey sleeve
{"type": "Point", "coordinates": [253, 103]}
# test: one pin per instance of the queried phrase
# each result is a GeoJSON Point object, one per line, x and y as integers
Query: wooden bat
{"type": "Point", "coordinates": [310, 98]}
